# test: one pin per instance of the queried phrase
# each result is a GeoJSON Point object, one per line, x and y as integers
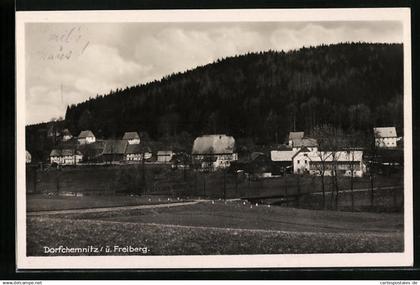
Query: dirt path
{"type": "Point", "coordinates": [110, 209]}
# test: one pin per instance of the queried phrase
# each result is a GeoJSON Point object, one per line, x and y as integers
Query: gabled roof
{"type": "Point", "coordinates": [130, 136]}
{"type": "Point", "coordinates": [303, 149]}
{"type": "Point", "coordinates": [115, 146]}
{"type": "Point", "coordinates": [387, 132]}
{"type": "Point", "coordinates": [307, 142]}
{"type": "Point", "coordinates": [64, 152]}
{"type": "Point", "coordinates": [214, 144]}
{"type": "Point", "coordinates": [281, 155]}
{"type": "Point", "coordinates": [85, 134]}
{"type": "Point", "coordinates": [296, 135]}
{"type": "Point", "coordinates": [136, 149]}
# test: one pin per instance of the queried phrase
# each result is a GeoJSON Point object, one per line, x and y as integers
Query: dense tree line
{"type": "Point", "coordinates": [263, 96]}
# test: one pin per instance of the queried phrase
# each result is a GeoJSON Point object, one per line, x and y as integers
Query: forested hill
{"type": "Point", "coordinates": [260, 95]}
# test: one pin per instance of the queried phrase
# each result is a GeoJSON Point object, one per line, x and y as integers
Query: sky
{"type": "Point", "coordinates": [69, 63]}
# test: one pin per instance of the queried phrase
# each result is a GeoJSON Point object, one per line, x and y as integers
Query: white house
{"type": "Point", "coordinates": [214, 151]}
{"type": "Point", "coordinates": [317, 161]}
{"type": "Point", "coordinates": [385, 137]}
{"type": "Point", "coordinates": [66, 135]}
{"type": "Point", "coordinates": [86, 137]}
{"type": "Point", "coordinates": [132, 137]}
{"type": "Point", "coordinates": [164, 156]}
{"type": "Point", "coordinates": [66, 156]}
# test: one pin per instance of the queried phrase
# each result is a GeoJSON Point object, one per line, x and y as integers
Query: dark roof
{"type": "Point", "coordinates": [136, 148]}
{"type": "Point", "coordinates": [64, 152]}
{"type": "Point", "coordinates": [115, 146]}
{"type": "Point", "coordinates": [308, 142]}
{"type": "Point", "coordinates": [256, 155]}
{"type": "Point", "coordinates": [280, 147]}
{"type": "Point", "coordinates": [97, 145]}
{"type": "Point", "coordinates": [214, 144]}
{"type": "Point", "coordinates": [85, 134]}
{"type": "Point", "coordinates": [130, 136]}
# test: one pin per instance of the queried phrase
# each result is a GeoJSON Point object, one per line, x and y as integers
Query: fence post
{"type": "Point", "coordinates": [224, 184]}
{"type": "Point", "coordinates": [286, 191]}
{"type": "Point", "coordinates": [57, 181]}
{"type": "Point", "coordinates": [236, 183]}
{"type": "Point", "coordinates": [35, 178]}
{"type": "Point", "coordinates": [144, 174]}
{"type": "Point", "coordinates": [196, 182]}
{"type": "Point", "coordinates": [298, 190]}
{"type": "Point", "coordinates": [204, 185]}
{"type": "Point", "coordinates": [394, 196]}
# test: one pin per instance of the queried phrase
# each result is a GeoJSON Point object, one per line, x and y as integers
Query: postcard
{"type": "Point", "coordinates": [261, 138]}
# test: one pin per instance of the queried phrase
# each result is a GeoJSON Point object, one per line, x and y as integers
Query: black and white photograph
{"type": "Point", "coordinates": [214, 138]}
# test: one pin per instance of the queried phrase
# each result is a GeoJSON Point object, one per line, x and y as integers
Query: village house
{"type": "Point", "coordinates": [114, 150]}
{"type": "Point", "coordinates": [86, 137]}
{"type": "Point", "coordinates": [385, 137]}
{"type": "Point", "coordinates": [131, 137]}
{"type": "Point", "coordinates": [214, 151]}
{"type": "Point", "coordinates": [281, 160]}
{"type": "Point", "coordinates": [164, 156]}
{"type": "Point", "coordinates": [67, 135]}
{"type": "Point", "coordinates": [28, 157]}
{"type": "Point", "coordinates": [137, 152]}
{"type": "Point", "coordinates": [295, 136]}
{"type": "Point", "coordinates": [65, 156]}
{"type": "Point", "coordinates": [314, 162]}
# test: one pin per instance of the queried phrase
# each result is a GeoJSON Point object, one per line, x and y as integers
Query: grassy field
{"type": "Point", "coordinates": [220, 227]}
{"type": "Point", "coordinates": [43, 202]}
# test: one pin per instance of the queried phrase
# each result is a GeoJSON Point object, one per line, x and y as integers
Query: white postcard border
{"type": "Point", "coordinates": [212, 261]}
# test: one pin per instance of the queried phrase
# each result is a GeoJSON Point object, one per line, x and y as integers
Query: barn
{"type": "Point", "coordinates": [114, 150]}
{"type": "Point", "coordinates": [214, 152]}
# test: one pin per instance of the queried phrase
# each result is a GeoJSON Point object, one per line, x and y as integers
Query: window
{"type": "Point", "coordinates": [306, 162]}
{"type": "Point", "coordinates": [298, 161]}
